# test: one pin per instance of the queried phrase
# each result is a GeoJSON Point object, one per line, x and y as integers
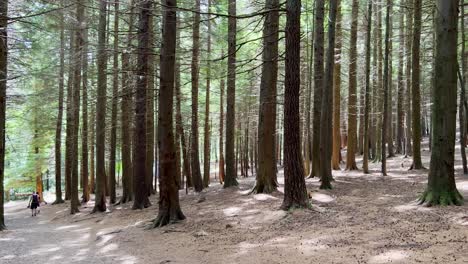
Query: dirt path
{"type": "Point", "coordinates": [364, 219]}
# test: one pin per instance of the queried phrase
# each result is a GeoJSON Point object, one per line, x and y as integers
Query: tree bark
{"type": "Point", "coordinates": [336, 134]}
{"type": "Point", "coordinates": [327, 103]}
{"type": "Point", "coordinates": [365, 158]}
{"type": "Point", "coordinates": [195, 74]}
{"type": "Point", "coordinates": [150, 99]}
{"type": "Point", "coordinates": [231, 170]}
{"type": "Point", "coordinates": [401, 86]}
{"type": "Point", "coordinates": [386, 88]}
{"type": "Point", "coordinates": [352, 93]}
{"type": "Point", "coordinates": [295, 192]}
{"type": "Point", "coordinates": [3, 88]}
{"type": "Point", "coordinates": [266, 174]}
{"type": "Point", "coordinates": [318, 85]}
{"type": "Point", "coordinates": [441, 188]}
{"type": "Point", "coordinates": [221, 132]}
{"type": "Point", "coordinates": [100, 203]}
{"type": "Point", "coordinates": [461, 104]}
{"type": "Point", "coordinates": [139, 169]}
{"type": "Point", "coordinates": [169, 208]}
{"type": "Point", "coordinates": [415, 87]}
{"type": "Point", "coordinates": [85, 133]}
{"type": "Point", "coordinates": [409, 33]}
{"type": "Point", "coordinates": [206, 141]}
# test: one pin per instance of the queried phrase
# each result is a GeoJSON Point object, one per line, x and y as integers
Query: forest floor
{"type": "Point", "coordinates": [364, 219]}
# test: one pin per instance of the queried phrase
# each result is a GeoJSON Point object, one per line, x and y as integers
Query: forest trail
{"type": "Point", "coordinates": [364, 219]}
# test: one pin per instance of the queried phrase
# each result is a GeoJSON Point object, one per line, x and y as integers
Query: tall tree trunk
{"type": "Point", "coordinates": [195, 73]}
{"type": "Point", "coordinates": [85, 133]}
{"type": "Point", "coordinates": [461, 104]}
{"type": "Point", "coordinates": [231, 175]}
{"type": "Point", "coordinates": [365, 158]}
{"type": "Point", "coordinates": [221, 132]}
{"type": "Point", "coordinates": [409, 33]}
{"type": "Point", "coordinates": [126, 118]}
{"type": "Point", "coordinates": [441, 188]}
{"type": "Point", "coordinates": [169, 208]}
{"type": "Point", "coordinates": [336, 151]}
{"type": "Point", "coordinates": [100, 204]}
{"type": "Point", "coordinates": [352, 92]}
{"type": "Point", "coordinates": [115, 94]}
{"type": "Point", "coordinates": [178, 119]}
{"type": "Point", "coordinates": [69, 118]}
{"type": "Point", "coordinates": [78, 56]}
{"type": "Point", "coordinates": [401, 85]}
{"type": "Point", "coordinates": [386, 88]}
{"type": "Point", "coordinates": [58, 129]}
{"type": "Point", "coordinates": [206, 141]}
{"type": "Point", "coordinates": [390, 146]}
{"type": "Point", "coordinates": [3, 87]}
{"type": "Point", "coordinates": [318, 84]}
{"type": "Point", "coordinates": [266, 174]}
{"type": "Point", "coordinates": [92, 146]}
{"type": "Point", "coordinates": [415, 87]}
{"type": "Point", "coordinates": [150, 99]}
{"type": "Point", "coordinates": [295, 193]}
{"type": "Point", "coordinates": [327, 103]}
{"type": "Point", "coordinates": [139, 169]}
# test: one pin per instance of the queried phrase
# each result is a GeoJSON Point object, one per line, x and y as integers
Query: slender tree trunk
{"type": "Point", "coordinates": [401, 86]}
{"type": "Point", "coordinates": [100, 204]}
{"type": "Point", "coordinates": [150, 99]}
{"type": "Point", "coordinates": [206, 143]}
{"type": "Point", "coordinates": [69, 119]}
{"type": "Point", "coordinates": [415, 88]}
{"type": "Point", "coordinates": [266, 174]}
{"type": "Point", "coordinates": [139, 169]}
{"type": "Point", "coordinates": [365, 158]}
{"type": "Point", "coordinates": [336, 151]}
{"type": "Point", "coordinates": [169, 208]}
{"type": "Point", "coordinates": [386, 88]}
{"type": "Point", "coordinates": [221, 132]}
{"type": "Point", "coordinates": [195, 73]}
{"type": "Point", "coordinates": [58, 129]}
{"type": "Point", "coordinates": [441, 188]}
{"type": "Point", "coordinates": [115, 92]}
{"type": "Point", "coordinates": [126, 118]}
{"type": "Point", "coordinates": [327, 103]}
{"type": "Point", "coordinates": [231, 175]}
{"type": "Point", "coordinates": [78, 56]}
{"type": "Point", "coordinates": [92, 146]}
{"type": "Point", "coordinates": [3, 87]}
{"type": "Point", "coordinates": [295, 193]}
{"type": "Point", "coordinates": [352, 93]}
{"type": "Point", "coordinates": [84, 137]}
{"type": "Point", "coordinates": [461, 109]}
{"type": "Point", "coordinates": [390, 131]}
{"type": "Point", "coordinates": [409, 33]}
{"type": "Point", "coordinates": [318, 84]}
{"type": "Point", "coordinates": [178, 119]}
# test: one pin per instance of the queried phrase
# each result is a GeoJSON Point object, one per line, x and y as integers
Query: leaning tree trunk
{"type": "Point", "coordinates": [365, 158]}
{"type": "Point", "coordinates": [100, 200]}
{"type": "Point", "coordinates": [231, 175]}
{"type": "Point", "coordinates": [195, 74]}
{"type": "Point", "coordinates": [139, 168]}
{"type": "Point", "coordinates": [58, 129]}
{"type": "Point", "coordinates": [169, 208]}
{"type": "Point", "coordinates": [295, 192]}
{"type": "Point", "coordinates": [415, 88]}
{"type": "Point", "coordinates": [266, 174]}
{"type": "Point", "coordinates": [352, 93]}
{"type": "Point", "coordinates": [318, 83]}
{"type": "Point", "coordinates": [3, 87]}
{"type": "Point", "coordinates": [441, 188]}
{"type": "Point", "coordinates": [327, 104]}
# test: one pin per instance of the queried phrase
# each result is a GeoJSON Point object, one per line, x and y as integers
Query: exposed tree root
{"type": "Point", "coordinates": [326, 185]}
{"type": "Point", "coordinates": [58, 201]}
{"type": "Point", "coordinates": [2, 227]}
{"type": "Point", "coordinates": [230, 183]}
{"type": "Point", "coordinates": [413, 168]}
{"type": "Point", "coordinates": [443, 198]}
{"type": "Point", "coordinates": [263, 188]}
{"type": "Point", "coordinates": [166, 217]}
{"type": "Point", "coordinates": [290, 205]}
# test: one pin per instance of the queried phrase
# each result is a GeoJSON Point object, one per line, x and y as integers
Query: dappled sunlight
{"type": "Point", "coordinates": [108, 248]}
{"type": "Point", "coordinates": [8, 257]}
{"type": "Point", "coordinates": [322, 197]}
{"type": "Point", "coordinates": [231, 211]}
{"type": "Point", "coordinates": [410, 207]}
{"type": "Point", "coordinates": [264, 197]}
{"type": "Point", "coordinates": [391, 256]}
{"type": "Point", "coordinates": [66, 227]}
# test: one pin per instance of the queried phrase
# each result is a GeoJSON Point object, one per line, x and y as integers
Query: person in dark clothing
{"type": "Point", "coordinates": [34, 203]}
